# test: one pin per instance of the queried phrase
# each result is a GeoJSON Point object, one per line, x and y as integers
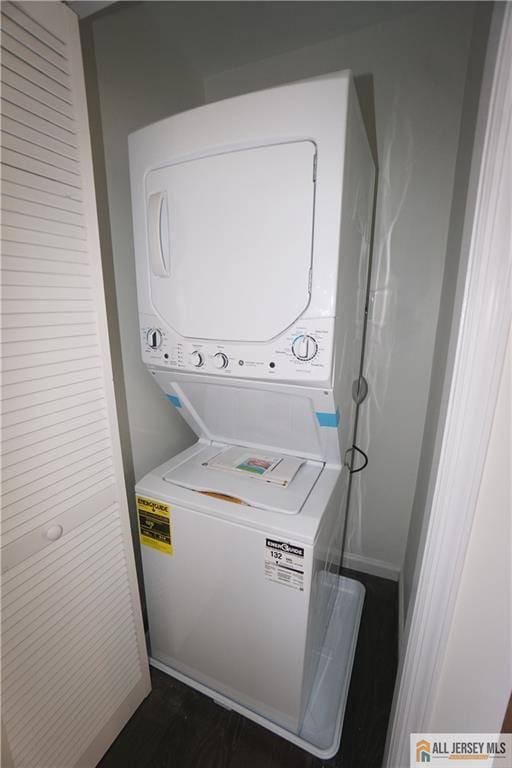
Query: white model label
{"type": "Point", "coordinates": [284, 563]}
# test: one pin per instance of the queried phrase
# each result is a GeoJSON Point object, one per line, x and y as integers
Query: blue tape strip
{"type": "Point", "coordinates": [328, 419]}
{"type": "Point", "coordinates": [174, 400]}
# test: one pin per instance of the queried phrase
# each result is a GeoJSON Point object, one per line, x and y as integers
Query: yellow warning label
{"type": "Point", "coordinates": [155, 524]}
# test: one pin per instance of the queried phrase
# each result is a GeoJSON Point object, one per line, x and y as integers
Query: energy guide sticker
{"type": "Point", "coordinates": [155, 524]}
{"type": "Point", "coordinates": [284, 563]}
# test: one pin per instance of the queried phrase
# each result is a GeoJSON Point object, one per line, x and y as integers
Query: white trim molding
{"type": "Point", "coordinates": [371, 566]}
{"type": "Point", "coordinates": [481, 337]}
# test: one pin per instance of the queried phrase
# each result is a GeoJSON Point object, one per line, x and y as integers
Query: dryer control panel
{"type": "Point", "coordinates": [303, 352]}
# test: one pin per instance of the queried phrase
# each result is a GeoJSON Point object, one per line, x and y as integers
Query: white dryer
{"type": "Point", "coordinates": [252, 221]}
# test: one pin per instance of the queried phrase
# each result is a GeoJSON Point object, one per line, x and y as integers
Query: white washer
{"type": "Point", "coordinates": [239, 597]}
{"type": "Point", "coordinates": [252, 221]}
{"type": "Point", "coordinates": [233, 606]}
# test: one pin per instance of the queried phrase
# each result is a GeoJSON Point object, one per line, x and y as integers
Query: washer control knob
{"type": "Point", "coordinates": [304, 347]}
{"type": "Point", "coordinates": [154, 338]}
{"type": "Point", "coordinates": [196, 359]}
{"type": "Point", "coordinates": [220, 360]}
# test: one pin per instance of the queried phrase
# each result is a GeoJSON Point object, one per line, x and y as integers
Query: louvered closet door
{"type": "Point", "coordinates": [74, 665]}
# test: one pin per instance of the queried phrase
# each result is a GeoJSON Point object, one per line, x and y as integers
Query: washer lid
{"type": "Point", "coordinates": [216, 471]}
{"type": "Point", "coordinates": [229, 241]}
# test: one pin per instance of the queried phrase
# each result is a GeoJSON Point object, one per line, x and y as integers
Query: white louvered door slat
{"type": "Point", "coordinates": [32, 89]}
{"type": "Point", "coordinates": [22, 50]}
{"type": "Point", "coordinates": [41, 166]}
{"type": "Point", "coordinates": [42, 183]}
{"type": "Point", "coordinates": [18, 202]}
{"type": "Point", "coordinates": [23, 117]}
{"type": "Point", "coordinates": [37, 107]}
{"type": "Point", "coordinates": [19, 13]}
{"type": "Point", "coordinates": [33, 73]}
{"type": "Point", "coordinates": [74, 664]}
{"type": "Point", "coordinates": [50, 267]}
{"type": "Point", "coordinates": [36, 135]}
{"type": "Point", "coordinates": [13, 140]}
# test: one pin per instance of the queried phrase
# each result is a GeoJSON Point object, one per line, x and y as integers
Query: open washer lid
{"type": "Point", "coordinates": [266, 480]}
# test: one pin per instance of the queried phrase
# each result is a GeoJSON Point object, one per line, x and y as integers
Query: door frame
{"type": "Point", "coordinates": [478, 340]}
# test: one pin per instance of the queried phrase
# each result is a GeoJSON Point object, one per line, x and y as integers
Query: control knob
{"type": "Point", "coordinates": [220, 360]}
{"type": "Point", "coordinates": [154, 338]}
{"type": "Point", "coordinates": [196, 359]}
{"type": "Point", "coordinates": [304, 347]}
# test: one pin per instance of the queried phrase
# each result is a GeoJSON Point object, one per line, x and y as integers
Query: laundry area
{"type": "Point", "coordinates": [242, 533]}
{"type": "Point", "coordinates": [417, 72]}
{"type": "Point", "coordinates": [281, 191]}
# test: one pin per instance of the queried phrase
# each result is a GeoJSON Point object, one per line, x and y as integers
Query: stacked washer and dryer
{"type": "Point", "coordinates": [252, 221]}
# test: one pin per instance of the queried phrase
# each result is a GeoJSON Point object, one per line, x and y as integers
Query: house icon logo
{"type": "Point", "coordinates": [423, 751]}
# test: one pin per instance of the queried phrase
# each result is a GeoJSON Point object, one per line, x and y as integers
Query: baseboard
{"type": "Point", "coordinates": [371, 566]}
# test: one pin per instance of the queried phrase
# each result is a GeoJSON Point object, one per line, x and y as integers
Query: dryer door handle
{"type": "Point", "coordinates": [158, 234]}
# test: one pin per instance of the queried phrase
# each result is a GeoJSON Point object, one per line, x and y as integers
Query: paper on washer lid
{"type": "Point", "coordinates": [264, 467]}
{"type": "Point", "coordinates": [195, 474]}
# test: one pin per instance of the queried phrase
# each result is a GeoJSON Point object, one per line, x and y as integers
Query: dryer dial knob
{"type": "Point", "coordinates": [154, 338]}
{"type": "Point", "coordinates": [220, 360]}
{"type": "Point", "coordinates": [196, 359]}
{"type": "Point", "coordinates": [304, 347]}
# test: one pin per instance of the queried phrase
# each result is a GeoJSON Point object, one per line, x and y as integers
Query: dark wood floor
{"type": "Point", "coordinates": [177, 727]}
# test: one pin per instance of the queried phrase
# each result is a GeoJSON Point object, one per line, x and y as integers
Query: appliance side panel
{"type": "Point", "coordinates": [216, 616]}
{"type": "Point", "coordinates": [355, 238]}
{"type": "Point", "coordinates": [326, 560]}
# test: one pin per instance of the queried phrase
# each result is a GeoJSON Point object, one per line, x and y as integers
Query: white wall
{"type": "Point", "coordinates": [411, 71]}
{"type": "Point", "coordinates": [476, 677]}
{"type": "Point", "coordinates": [139, 80]}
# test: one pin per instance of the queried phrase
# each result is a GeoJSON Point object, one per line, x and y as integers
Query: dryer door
{"type": "Point", "coordinates": [229, 240]}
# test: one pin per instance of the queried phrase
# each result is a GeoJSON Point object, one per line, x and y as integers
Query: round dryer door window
{"type": "Point", "coordinates": [230, 241]}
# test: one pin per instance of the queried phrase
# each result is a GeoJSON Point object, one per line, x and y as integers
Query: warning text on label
{"type": "Point", "coordinates": [155, 524]}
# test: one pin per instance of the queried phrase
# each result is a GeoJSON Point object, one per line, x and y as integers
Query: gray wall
{"type": "Point", "coordinates": [133, 79]}
{"type": "Point", "coordinates": [451, 302]}
{"type": "Point", "coordinates": [411, 71]}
